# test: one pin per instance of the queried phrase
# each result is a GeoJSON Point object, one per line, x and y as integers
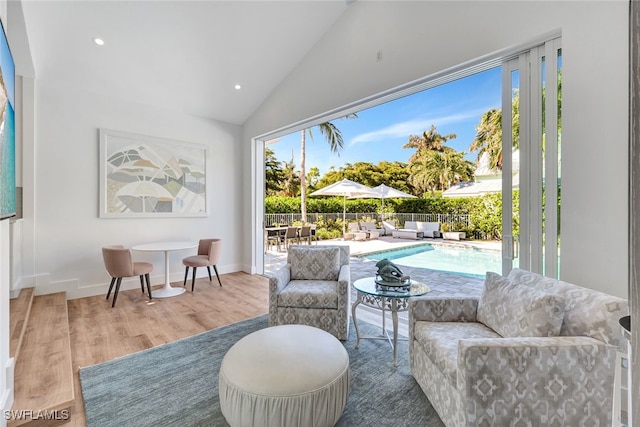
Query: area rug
{"type": "Point", "coordinates": [176, 384]}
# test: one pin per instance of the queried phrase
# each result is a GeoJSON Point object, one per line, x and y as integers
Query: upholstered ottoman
{"type": "Point", "coordinates": [287, 375]}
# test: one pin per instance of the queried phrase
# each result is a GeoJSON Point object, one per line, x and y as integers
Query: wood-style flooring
{"type": "Point", "coordinates": [100, 333]}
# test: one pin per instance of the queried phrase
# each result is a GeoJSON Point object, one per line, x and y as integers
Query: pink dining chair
{"type": "Point", "coordinates": [119, 264]}
{"type": "Point", "coordinates": [208, 255]}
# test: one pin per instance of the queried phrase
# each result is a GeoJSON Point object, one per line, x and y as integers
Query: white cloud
{"type": "Point", "coordinates": [413, 127]}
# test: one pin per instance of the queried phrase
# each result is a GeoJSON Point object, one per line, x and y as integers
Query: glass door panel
{"type": "Point", "coordinates": [531, 105]}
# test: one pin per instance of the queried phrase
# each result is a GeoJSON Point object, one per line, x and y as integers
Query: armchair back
{"type": "Point", "coordinates": [343, 257]}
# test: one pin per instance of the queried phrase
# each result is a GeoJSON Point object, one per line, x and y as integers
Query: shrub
{"type": "Point", "coordinates": [485, 212]}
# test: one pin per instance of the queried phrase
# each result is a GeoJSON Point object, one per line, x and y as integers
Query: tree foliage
{"type": "Point", "coordinates": [333, 136]}
{"type": "Point", "coordinates": [485, 212]}
{"type": "Point", "coordinates": [429, 141]}
{"type": "Point", "coordinates": [438, 170]}
{"type": "Point", "coordinates": [274, 175]}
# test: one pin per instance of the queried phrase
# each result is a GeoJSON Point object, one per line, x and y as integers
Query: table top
{"type": "Point", "coordinates": [165, 246]}
{"type": "Point", "coordinates": [368, 285]}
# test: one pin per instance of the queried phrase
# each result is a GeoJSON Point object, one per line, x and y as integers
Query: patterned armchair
{"type": "Point", "coordinates": [531, 350]}
{"type": "Point", "coordinates": [312, 289]}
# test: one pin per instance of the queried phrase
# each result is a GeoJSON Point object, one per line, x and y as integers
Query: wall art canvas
{"type": "Point", "coordinates": [7, 131]}
{"type": "Point", "coordinates": [144, 176]}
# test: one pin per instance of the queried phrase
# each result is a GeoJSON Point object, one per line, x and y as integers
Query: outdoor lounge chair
{"type": "Point", "coordinates": [369, 227]}
{"type": "Point", "coordinates": [354, 233]}
{"type": "Point", "coordinates": [389, 227]}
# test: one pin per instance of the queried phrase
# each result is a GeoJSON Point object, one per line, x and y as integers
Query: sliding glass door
{"type": "Point", "coordinates": [531, 183]}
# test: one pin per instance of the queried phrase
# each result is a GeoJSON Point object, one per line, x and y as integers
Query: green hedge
{"type": "Point", "coordinates": [485, 211]}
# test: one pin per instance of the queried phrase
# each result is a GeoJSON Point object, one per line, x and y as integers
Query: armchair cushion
{"type": "Point", "coordinates": [440, 342]}
{"type": "Point", "coordinates": [314, 264]}
{"type": "Point", "coordinates": [514, 310]}
{"type": "Point", "coordinates": [309, 294]}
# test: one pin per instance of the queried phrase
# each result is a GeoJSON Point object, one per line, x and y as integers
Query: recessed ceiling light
{"type": "Point", "coordinates": [238, 87]}
{"type": "Point", "coordinates": [98, 41]}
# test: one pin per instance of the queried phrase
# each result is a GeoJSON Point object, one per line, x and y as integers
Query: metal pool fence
{"type": "Point", "coordinates": [400, 218]}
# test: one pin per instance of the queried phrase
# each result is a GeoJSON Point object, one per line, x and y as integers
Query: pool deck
{"type": "Point", "coordinates": [275, 259]}
{"type": "Point", "coordinates": [440, 283]}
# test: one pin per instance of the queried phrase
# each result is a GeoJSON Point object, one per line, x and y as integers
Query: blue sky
{"type": "Point", "coordinates": [380, 132]}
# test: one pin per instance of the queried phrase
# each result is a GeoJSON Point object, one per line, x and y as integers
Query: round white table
{"type": "Point", "coordinates": [166, 247]}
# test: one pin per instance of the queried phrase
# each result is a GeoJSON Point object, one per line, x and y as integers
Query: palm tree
{"type": "Point", "coordinates": [291, 183]}
{"type": "Point", "coordinates": [430, 140]}
{"type": "Point", "coordinates": [333, 137]}
{"type": "Point", "coordinates": [489, 138]}
{"type": "Point", "coordinates": [489, 134]}
{"type": "Point", "coordinates": [439, 170]}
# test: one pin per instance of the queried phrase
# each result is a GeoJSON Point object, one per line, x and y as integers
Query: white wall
{"type": "Point", "coordinates": [68, 234]}
{"type": "Point", "coordinates": [421, 38]}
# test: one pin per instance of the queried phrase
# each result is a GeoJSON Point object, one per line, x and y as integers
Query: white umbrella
{"type": "Point", "coordinates": [383, 191]}
{"type": "Point", "coordinates": [344, 188]}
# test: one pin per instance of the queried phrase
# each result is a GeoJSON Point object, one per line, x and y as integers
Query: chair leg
{"type": "Point", "coordinates": [146, 276]}
{"type": "Point", "coordinates": [193, 279]}
{"type": "Point", "coordinates": [113, 280]}
{"type": "Point", "coordinates": [115, 294]}
{"type": "Point", "coordinates": [217, 275]}
{"type": "Point", "coordinates": [141, 284]}
{"type": "Point", "coordinates": [186, 273]}
{"type": "Point", "coordinates": [209, 271]}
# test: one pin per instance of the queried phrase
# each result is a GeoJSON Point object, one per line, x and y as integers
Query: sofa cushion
{"type": "Point", "coordinates": [514, 310]}
{"type": "Point", "coordinates": [314, 263]}
{"type": "Point", "coordinates": [439, 341]}
{"type": "Point", "coordinates": [309, 294]}
{"type": "Point", "coordinates": [587, 312]}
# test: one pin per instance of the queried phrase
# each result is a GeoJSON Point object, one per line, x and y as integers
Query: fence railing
{"type": "Point", "coordinates": [400, 218]}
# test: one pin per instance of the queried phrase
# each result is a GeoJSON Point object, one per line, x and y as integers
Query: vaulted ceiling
{"type": "Point", "coordinates": [186, 56]}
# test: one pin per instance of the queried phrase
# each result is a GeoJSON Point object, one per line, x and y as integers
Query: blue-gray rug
{"type": "Point", "coordinates": [176, 384]}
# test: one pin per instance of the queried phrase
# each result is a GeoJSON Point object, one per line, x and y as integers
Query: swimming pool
{"type": "Point", "coordinates": [452, 259]}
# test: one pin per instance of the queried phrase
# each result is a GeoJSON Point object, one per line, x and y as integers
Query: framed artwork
{"type": "Point", "coordinates": [147, 177]}
{"type": "Point", "coordinates": [7, 130]}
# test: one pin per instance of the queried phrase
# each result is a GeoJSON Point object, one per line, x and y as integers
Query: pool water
{"type": "Point", "coordinates": [459, 260]}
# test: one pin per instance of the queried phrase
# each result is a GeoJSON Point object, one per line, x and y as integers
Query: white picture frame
{"type": "Point", "coordinates": [148, 177]}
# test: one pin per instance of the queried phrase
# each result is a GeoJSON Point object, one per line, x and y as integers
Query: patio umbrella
{"type": "Point", "coordinates": [344, 188]}
{"type": "Point", "coordinates": [383, 191]}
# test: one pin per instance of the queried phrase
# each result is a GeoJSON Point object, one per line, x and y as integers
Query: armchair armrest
{"type": "Point", "coordinates": [443, 309]}
{"type": "Point", "coordinates": [280, 278]}
{"type": "Point", "coordinates": [344, 291]}
{"type": "Point", "coordinates": [277, 282]}
{"type": "Point", "coordinates": [547, 380]}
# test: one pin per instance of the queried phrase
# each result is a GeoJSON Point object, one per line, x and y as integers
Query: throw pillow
{"type": "Point", "coordinates": [314, 263]}
{"type": "Point", "coordinates": [514, 310]}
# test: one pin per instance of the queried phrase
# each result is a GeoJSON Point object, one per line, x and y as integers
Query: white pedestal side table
{"type": "Point", "coordinates": [166, 247]}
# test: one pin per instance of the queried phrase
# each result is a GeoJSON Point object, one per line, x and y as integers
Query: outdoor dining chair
{"type": "Point", "coordinates": [291, 234]}
{"type": "Point", "coordinates": [305, 234]}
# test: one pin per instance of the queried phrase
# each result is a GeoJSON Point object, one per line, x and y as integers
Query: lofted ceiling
{"type": "Point", "coordinates": [186, 56]}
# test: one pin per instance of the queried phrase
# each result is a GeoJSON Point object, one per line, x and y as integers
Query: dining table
{"type": "Point", "coordinates": [170, 246]}
{"type": "Point", "coordinates": [281, 230]}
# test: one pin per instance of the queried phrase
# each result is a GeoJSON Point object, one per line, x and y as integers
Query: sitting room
{"type": "Point", "coordinates": [216, 81]}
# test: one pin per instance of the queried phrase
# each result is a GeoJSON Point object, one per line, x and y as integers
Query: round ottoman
{"type": "Point", "coordinates": [288, 375]}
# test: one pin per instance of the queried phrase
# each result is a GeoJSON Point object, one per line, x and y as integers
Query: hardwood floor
{"type": "Point", "coordinates": [100, 333]}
